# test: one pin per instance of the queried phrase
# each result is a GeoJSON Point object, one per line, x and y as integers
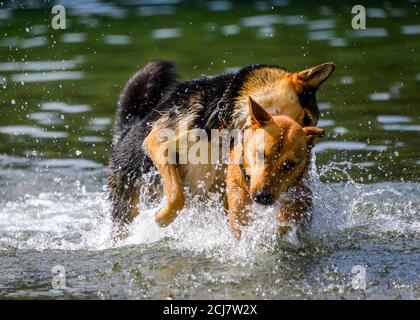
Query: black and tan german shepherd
{"type": "Point", "coordinates": [153, 99]}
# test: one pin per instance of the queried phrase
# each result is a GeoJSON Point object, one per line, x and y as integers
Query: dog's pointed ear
{"type": "Point", "coordinates": [257, 114]}
{"type": "Point", "coordinates": [313, 133]}
{"type": "Point", "coordinates": [313, 77]}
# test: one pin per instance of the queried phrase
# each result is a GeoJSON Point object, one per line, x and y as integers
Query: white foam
{"type": "Point", "coordinates": [33, 131]}
{"type": "Point", "coordinates": [115, 39]}
{"type": "Point", "coordinates": [40, 65]}
{"type": "Point", "coordinates": [260, 21]}
{"type": "Point", "coordinates": [33, 42]}
{"type": "Point", "coordinates": [48, 76]}
{"type": "Point", "coordinates": [347, 80]}
{"type": "Point", "coordinates": [167, 33]}
{"type": "Point", "coordinates": [99, 124]}
{"type": "Point", "coordinates": [72, 218]}
{"type": "Point", "coordinates": [325, 123]}
{"type": "Point", "coordinates": [338, 42]}
{"type": "Point", "coordinates": [380, 96]}
{"type": "Point", "coordinates": [266, 32]}
{"type": "Point", "coordinates": [340, 130]}
{"type": "Point", "coordinates": [5, 14]}
{"type": "Point", "coordinates": [69, 163]}
{"type": "Point", "coordinates": [73, 37]}
{"type": "Point", "coordinates": [339, 145]}
{"type": "Point", "coordinates": [321, 24]}
{"type": "Point", "coordinates": [401, 127]}
{"type": "Point", "coordinates": [219, 5]}
{"type": "Point", "coordinates": [64, 107]}
{"type": "Point", "coordinates": [324, 105]}
{"type": "Point", "coordinates": [321, 35]}
{"type": "Point", "coordinates": [230, 29]}
{"type": "Point", "coordinates": [393, 119]}
{"type": "Point", "coordinates": [44, 118]}
{"type": "Point", "coordinates": [101, 121]}
{"type": "Point", "coordinates": [411, 29]}
{"type": "Point", "coordinates": [89, 8]}
{"type": "Point", "coordinates": [375, 13]}
{"type": "Point", "coordinates": [92, 139]}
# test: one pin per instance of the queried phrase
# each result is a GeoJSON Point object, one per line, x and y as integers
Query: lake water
{"type": "Point", "coordinates": [58, 92]}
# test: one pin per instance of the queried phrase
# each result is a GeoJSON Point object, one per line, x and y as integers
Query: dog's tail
{"type": "Point", "coordinates": [143, 92]}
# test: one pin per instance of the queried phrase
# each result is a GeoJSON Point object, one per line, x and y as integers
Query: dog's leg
{"type": "Point", "coordinates": [175, 198]}
{"type": "Point", "coordinates": [237, 198]}
{"type": "Point", "coordinates": [296, 209]}
{"type": "Point", "coordinates": [237, 211]}
{"type": "Point", "coordinates": [124, 193]}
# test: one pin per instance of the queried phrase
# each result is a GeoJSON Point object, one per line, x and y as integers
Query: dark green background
{"type": "Point", "coordinates": [375, 64]}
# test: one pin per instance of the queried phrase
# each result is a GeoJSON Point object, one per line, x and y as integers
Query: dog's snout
{"type": "Point", "coordinates": [264, 197]}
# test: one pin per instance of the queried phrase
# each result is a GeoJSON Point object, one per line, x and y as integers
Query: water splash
{"type": "Point", "coordinates": [72, 218]}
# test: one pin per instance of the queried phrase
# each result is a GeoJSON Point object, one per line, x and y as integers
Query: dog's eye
{"type": "Point", "coordinates": [288, 165]}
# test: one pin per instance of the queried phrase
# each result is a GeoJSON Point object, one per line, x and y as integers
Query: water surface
{"type": "Point", "coordinates": [58, 92]}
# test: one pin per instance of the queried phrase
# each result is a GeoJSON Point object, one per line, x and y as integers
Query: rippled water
{"type": "Point", "coordinates": [58, 215]}
{"type": "Point", "coordinates": [58, 91]}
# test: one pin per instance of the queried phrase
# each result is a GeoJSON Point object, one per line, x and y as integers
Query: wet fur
{"type": "Point", "coordinates": [154, 99]}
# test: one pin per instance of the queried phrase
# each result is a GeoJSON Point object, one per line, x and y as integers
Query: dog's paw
{"type": "Point", "coordinates": [165, 217]}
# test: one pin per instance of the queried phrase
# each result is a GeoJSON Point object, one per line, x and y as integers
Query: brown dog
{"type": "Point", "coordinates": [265, 173]}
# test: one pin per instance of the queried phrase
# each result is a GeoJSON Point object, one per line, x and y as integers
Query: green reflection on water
{"type": "Point", "coordinates": [385, 65]}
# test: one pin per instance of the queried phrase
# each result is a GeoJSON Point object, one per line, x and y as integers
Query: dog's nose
{"type": "Point", "coordinates": [264, 197]}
